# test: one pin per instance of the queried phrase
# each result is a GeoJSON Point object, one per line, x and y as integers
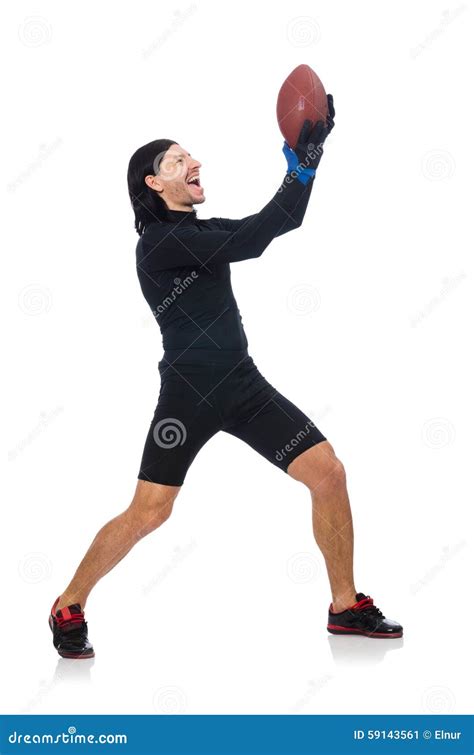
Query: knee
{"type": "Point", "coordinates": [330, 479]}
{"type": "Point", "coordinates": [151, 506]}
{"type": "Point", "coordinates": [320, 470]}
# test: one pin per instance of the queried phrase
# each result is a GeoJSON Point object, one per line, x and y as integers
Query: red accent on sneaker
{"type": "Point", "coordinates": [65, 613]}
{"type": "Point", "coordinates": [76, 618]}
{"type": "Point", "coordinates": [64, 616]}
{"type": "Point", "coordinates": [365, 632]}
{"type": "Point", "coordinates": [359, 606]}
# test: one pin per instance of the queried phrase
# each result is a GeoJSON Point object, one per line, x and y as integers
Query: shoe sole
{"type": "Point", "coordinates": [381, 635]}
{"type": "Point", "coordinates": [77, 657]}
{"type": "Point", "coordinates": [65, 654]}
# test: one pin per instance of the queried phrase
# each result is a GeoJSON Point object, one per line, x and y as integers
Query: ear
{"type": "Point", "coordinates": [154, 183]}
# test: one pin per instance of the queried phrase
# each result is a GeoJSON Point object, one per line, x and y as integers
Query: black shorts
{"type": "Point", "coordinates": [207, 391]}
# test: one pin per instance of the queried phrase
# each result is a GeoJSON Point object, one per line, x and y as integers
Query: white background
{"type": "Point", "coordinates": [360, 317]}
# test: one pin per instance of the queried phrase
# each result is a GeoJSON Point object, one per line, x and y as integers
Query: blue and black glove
{"type": "Point", "coordinates": [305, 157]}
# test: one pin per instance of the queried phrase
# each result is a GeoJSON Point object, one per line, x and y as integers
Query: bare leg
{"type": "Point", "coordinates": [151, 506]}
{"type": "Point", "coordinates": [322, 472]}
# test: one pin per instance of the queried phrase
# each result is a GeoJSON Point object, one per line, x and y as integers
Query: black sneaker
{"type": "Point", "coordinates": [363, 618]}
{"type": "Point", "coordinates": [69, 630]}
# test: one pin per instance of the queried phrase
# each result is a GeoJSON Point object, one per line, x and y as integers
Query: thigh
{"type": "Point", "coordinates": [184, 419]}
{"type": "Point", "coordinates": [272, 425]}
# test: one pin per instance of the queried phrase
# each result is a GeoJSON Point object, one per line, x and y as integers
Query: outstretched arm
{"type": "Point", "coordinates": [296, 159]}
{"type": "Point", "coordinates": [294, 219]}
{"type": "Point", "coordinates": [164, 246]}
{"type": "Point", "coordinates": [168, 245]}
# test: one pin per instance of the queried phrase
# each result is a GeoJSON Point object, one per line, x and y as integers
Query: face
{"type": "Point", "coordinates": [177, 179]}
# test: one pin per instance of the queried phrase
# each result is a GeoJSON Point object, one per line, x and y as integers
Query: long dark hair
{"type": "Point", "coordinates": [147, 204]}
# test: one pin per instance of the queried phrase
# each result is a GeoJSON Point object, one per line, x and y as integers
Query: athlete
{"type": "Point", "coordinates": [209, 382]}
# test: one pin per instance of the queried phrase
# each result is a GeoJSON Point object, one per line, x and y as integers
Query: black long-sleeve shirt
{"type": "Point", "coordinates": [184, 272]}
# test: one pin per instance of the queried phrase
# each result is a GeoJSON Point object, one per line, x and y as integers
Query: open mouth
{"type": "Point", "coordinates": [194, 181]}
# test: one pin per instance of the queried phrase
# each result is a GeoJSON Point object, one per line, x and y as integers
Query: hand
{"type": "Point", "coordinates": [331, 113]}
{"type": "Point", "coordinates": [306, 155]}
{"type": "Point", "coordinates": [309, 148]}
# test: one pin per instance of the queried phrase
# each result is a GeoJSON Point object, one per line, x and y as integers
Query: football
{"type": "Point", "coordinates": [302, 96]}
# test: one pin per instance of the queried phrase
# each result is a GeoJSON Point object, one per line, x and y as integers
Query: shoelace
{"type": "Point", "coordinates": [72, 632]}
{"type": "Point", "coordinates": [73, 637]}
{"type": "Point", "coordinates": [76, 619]}
{"type": "Point", "coordinates": [366, 606]}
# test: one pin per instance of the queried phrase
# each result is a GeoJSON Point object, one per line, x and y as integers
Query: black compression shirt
{"type": "Point", "coordinates": [184, 272]}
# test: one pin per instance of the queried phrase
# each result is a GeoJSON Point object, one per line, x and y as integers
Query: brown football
{"type": "Point", "coordinates": [301, 96]}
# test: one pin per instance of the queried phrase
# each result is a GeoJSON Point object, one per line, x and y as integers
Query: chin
{"type": "Point", "coordinates": [200, 201]}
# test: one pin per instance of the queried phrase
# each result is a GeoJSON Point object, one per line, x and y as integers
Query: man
{"type": "Point", "coordinates": [210, 383]}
